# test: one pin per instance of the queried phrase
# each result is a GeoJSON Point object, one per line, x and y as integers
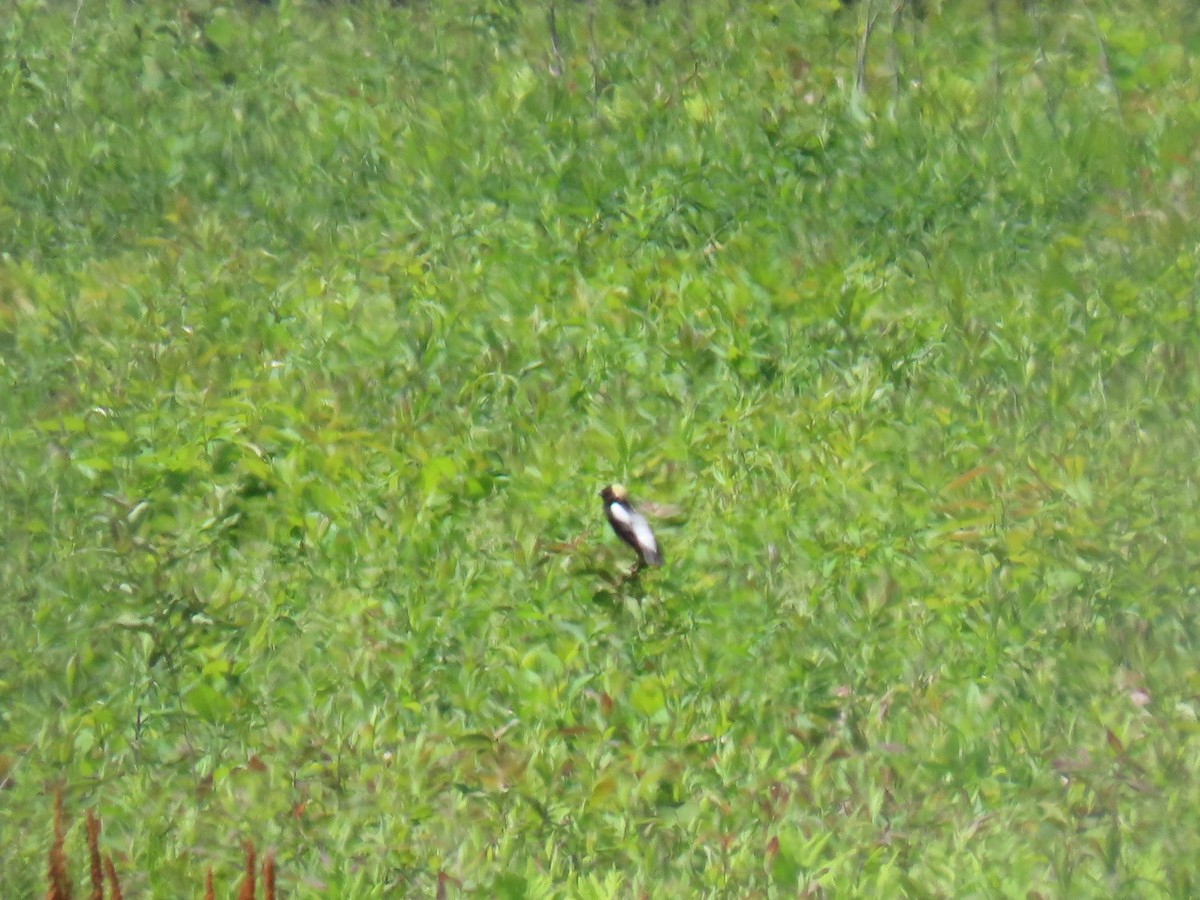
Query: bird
{"type": "Point", "coordinates": [630, 525]}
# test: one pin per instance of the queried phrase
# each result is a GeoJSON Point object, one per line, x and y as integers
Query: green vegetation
{"type": "Point", "coordinates": [321, 327]}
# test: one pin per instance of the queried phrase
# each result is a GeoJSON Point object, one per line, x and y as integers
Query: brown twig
{"type": "Point", "coordinates": [94, 868]}
{"type": "Point", "coordinates": [248, 882]}
{"type": "Point", "coordinates": [269, 877]}
{"type": "Point", "coordinates": [56, 867]}
{"type": "Point", "coordinates": [114, 885]}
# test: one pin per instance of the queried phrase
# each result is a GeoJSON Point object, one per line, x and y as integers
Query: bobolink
{"type": "Point", "coordinates": [630, 525]}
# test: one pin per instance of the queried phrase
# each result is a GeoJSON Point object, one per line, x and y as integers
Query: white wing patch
{"type": "Point", "coordinates": [630, 523]}
{"type": "Point", "coordinates": [624, 515]}
{"type": "Point", "coordinates": [641, 530]}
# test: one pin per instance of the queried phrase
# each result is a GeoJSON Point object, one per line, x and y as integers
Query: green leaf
{"type": "Point", "coordinates": [207, 703]}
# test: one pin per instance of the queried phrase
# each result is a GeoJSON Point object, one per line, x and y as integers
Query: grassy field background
{"type": "Point", "coordinates": [322, 326]}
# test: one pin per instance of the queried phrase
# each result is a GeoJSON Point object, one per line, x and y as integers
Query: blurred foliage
{"type": "Point", "coordinates": [322, 325]}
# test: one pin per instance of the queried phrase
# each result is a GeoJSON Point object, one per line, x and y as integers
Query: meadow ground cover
{"type": "Point", "coordinates": [321, 326]}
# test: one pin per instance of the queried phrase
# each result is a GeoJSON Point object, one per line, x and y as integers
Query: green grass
{"type": "Point", "coordinates": [321, 327]}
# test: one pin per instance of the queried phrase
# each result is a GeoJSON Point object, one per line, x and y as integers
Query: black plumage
{"type": "Point", "coordinates": [630, 525]}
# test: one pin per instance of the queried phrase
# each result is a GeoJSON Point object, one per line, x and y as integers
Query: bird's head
{"type": "Point", "coordinates": [615, 493]}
